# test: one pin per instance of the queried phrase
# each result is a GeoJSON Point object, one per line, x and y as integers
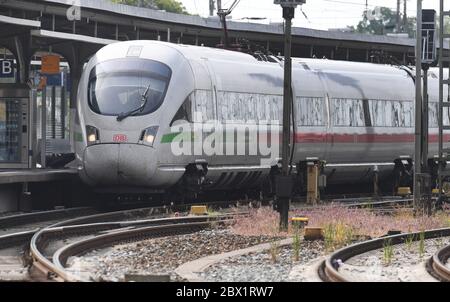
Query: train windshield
{"type": "Point", "coordinates": [120, 86]}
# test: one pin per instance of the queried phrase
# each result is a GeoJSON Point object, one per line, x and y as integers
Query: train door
{"type": "Point", "coordinates": [210, 120]}
{"type": "Point", "coordinates": [328, 128]}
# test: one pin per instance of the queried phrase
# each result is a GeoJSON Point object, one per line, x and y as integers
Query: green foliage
{"type": "Point", "coordinates": [385, 24]}
{"type": "Point", "coordinates": [388, 251]}
{"type": "Point", "coordinates": [172, 6]}
{"type": "Point", "coordinates": [409, 241]}
{"type": "Point", "coordinates": [296, 245]}
{"type": "Point", "coordinates": [337, 235]}
{"type": "Point", "coordinates": [422, 243]}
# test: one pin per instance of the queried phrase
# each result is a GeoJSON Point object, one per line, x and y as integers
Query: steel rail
{"type": "Point", "coordinates": [41, 239]}
{"type": "Point", "coordinates": [15, 239]}
{"type": "Point", "coordinates": [28, 218]}
{"type": "Point", "coordinates": [439, 264]}
{"type": "Point", "coordinates": [80, 247]}
{"type": "Point", "coordinates": [330, 271]}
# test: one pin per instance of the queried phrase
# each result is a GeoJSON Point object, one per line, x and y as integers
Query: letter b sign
{"type": "Point", "coordinates": [6, 69]}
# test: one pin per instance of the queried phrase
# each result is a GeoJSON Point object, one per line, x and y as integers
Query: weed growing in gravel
{"type": "Point", "coordinates": [337, 235]}
{"type": "Point", "coordinates": [388, 251]}
{"type": "Point", "coordinates": [328, 237]}
{"type": "Point", "coordinates": [361, 222]}
{"type": "Point", "coordinates": [296, 245]}
{"type": "Point", "coordinates": [274, 250]}
{"type": "Point", "coordinates": [409, 241]}
{"type": "Point", "coordinates": [422, 243]}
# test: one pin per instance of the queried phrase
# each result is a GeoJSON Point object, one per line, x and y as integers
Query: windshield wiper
{"type": "Point", "coordinates": [144, 100]}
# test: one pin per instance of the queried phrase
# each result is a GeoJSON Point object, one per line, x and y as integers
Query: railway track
{"type": "Point", "coordinates": [438, 265]}
{"type": "Point", "coordinates": [329, 269]}
{"type": "Point", "coordinates": [29, 221]}
{"type": "Point", "coordinates": [18, 230]}
{"type": "Point", "coordinates": [51, 247]}
{"type": "Point", "coordinates": [387, 206]}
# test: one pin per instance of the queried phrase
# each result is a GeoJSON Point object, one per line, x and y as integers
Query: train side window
{"type": "Point", "coordinates": [433, 115]}
{"type": "Point", "coordinates": [408, 112]}
{"type": "Point", "coordinates": [395, 114]}
{"type": "Point", "coordinates": [446, 116]}
{"type": "Point", "coordinates": [241, 107]}
{"type": "Point", "coordinates": [223, 107]}
{"type": "Point", "coordinates": [264, 108]}
{"type": "Point", "coordinates": [276, 109]}
{"type": "Point", "coordinates": [377, 113]}
{"type": "Point", "coordinates": [310, 111]}
{"type": "Point", "coordinates": [348, 113]}
{"type": "Point", "coordinates": [391, 113]}
{"type": "Point", "coordinates": [250, 113]}
{"type": "Point", "coordinates": [261, 109]}
{"type": "Point", "coordinates": [185, 111]}
{"type": "Point", "coordinates": [203, 104]}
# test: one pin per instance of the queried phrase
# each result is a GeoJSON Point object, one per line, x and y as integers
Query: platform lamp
{"type": "Point", "coordinates": [285, 182]}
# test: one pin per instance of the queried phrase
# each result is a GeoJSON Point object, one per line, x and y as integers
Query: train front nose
{"type": "Point", "coordinates": [119, 164]}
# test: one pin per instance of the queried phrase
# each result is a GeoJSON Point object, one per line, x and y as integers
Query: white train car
{"type": "Point", "coordinates": [356, 117]}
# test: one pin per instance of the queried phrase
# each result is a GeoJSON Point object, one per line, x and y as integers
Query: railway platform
{"type": "Point", "coordinates": [8, 176]}
{"type": "Point", "coordinates": [26, 189]}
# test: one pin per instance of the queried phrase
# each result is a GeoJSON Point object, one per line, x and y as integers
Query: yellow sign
{"type": "Point", "coordinates": [50, 64]}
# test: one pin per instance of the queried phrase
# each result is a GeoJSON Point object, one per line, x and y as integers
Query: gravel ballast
{"type": "Point", "coordinates": [158, 256]}
{"type": "Point", "coordinates": [261, 267]}
{"type": "Point", "coordinates": [406, 263]}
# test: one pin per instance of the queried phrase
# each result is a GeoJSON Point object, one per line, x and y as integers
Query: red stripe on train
{"type": "Point", "coordinates": [362, 138]}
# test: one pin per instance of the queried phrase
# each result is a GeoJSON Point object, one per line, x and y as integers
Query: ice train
{"type": "Point", "coordinates": [355, 117]}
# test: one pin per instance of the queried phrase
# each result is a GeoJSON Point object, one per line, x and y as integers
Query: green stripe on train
{"type": "Point", "coordinates": [176, 136]}
{"type": "Point", "coordinates": [78, 137]}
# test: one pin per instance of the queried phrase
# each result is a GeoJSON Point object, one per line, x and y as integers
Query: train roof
{"type": "Point", "coordinates": [236, 71]}
{"type": "Point", "coordinates": [192, 52]}
{"type": "Point", "coordinates": [197, 52]}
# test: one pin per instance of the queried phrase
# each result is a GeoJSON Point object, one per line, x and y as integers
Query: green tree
{"type": "Point", "coordinates": [384, 23]}
{"type": "Point", "coordinates": [172, 6]}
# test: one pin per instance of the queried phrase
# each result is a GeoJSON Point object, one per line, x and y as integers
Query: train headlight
{"type": "Point", "coordinates": [92, 135]}
{"type": "Point", "coordinates": [148, 135]}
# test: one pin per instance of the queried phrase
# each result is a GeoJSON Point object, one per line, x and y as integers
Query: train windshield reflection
{"type": "Point", "coordinates": [116, 89]}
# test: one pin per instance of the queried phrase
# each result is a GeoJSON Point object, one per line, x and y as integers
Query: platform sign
{"type": "Point", "coordinates": [55, 79]}
{"type": "Point", "coordinates": [50, 64]}
{"type": "Point", "coordinates": [7, 69]}
{"type": "Point", "coordinates": [58, 79]}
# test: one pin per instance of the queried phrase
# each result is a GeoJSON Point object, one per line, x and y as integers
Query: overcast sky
{"type": "Point", "coordinates": [322, 14]}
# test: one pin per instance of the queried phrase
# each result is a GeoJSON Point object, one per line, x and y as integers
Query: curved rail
{"type": "Point", "coordinates": [62, 255]}
{"type": "Point", "coordinates": [439, 264]}
{"type": "Point", "coordinates": [330, 269]}
{"type": "Point", "coordinates": [134, 229]}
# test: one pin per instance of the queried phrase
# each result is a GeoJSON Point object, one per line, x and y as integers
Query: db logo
{"type": "Point", "coordinates": [120, 138]}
